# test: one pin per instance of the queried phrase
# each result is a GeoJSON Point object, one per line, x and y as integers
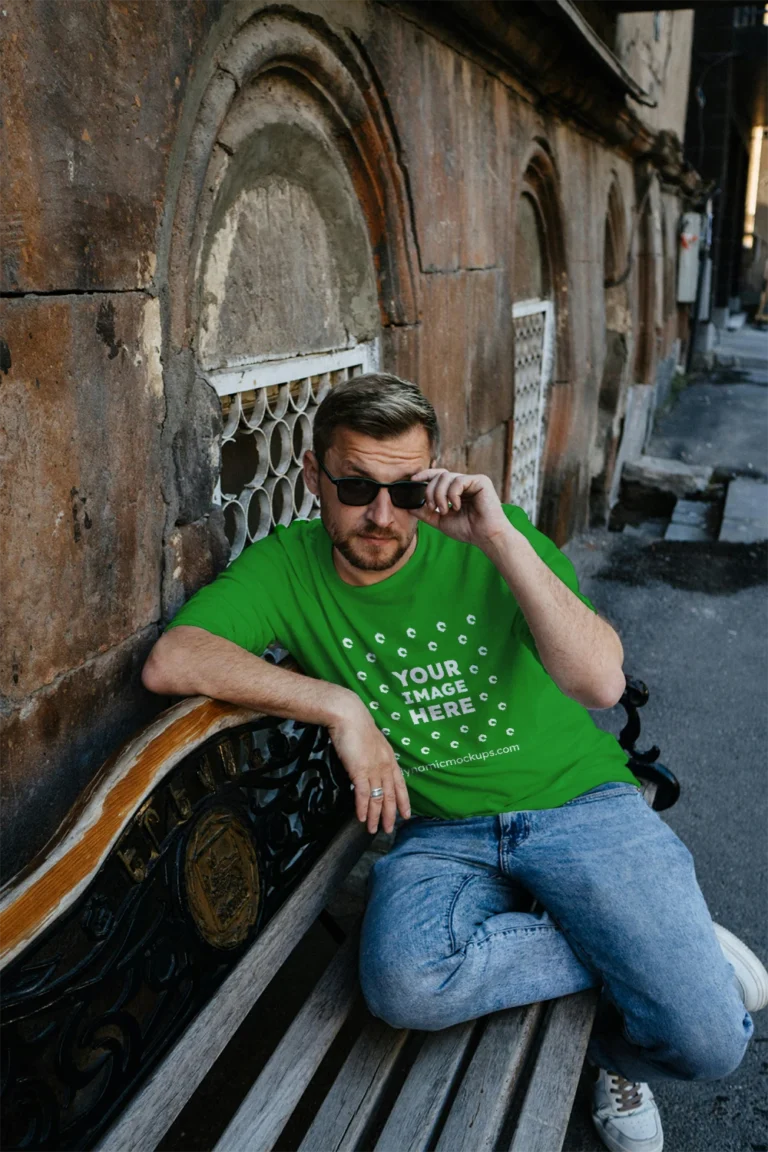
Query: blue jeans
{"type": "Point", "coordinates": [448, 932]}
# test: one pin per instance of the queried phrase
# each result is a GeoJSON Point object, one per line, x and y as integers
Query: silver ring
{"type": "Point", "coordinates": [376, 792]}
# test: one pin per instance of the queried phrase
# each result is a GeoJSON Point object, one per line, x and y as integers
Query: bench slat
{"type": "Point", "coordinates": [277, 1090]}
{"type": "Point", "coordinates": [411, 1123]}
{"type": "Point", "coordinates": [481, 1104]}
{"type": "Point", "coordinates": [546, 1109]}
{"type": "Point", "coordinates": [357, 1091]}
{"type": "Point", "coordinates": [147, 1117]}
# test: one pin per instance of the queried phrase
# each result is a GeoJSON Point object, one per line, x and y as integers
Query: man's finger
{"type": "Point", "coordinates": [389, 809]}
{"type": "Point", "coordinates": [375, 804]}
{"type": "Point", "coordinates": [403, 799]}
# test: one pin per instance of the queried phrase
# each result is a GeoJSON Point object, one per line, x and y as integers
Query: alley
{"type": "Point", "coordinates": [692, 616]}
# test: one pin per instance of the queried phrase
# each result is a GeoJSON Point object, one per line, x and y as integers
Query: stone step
{"type": "Point", "coordinates": [690, 521]}
{"type": "Point", "coordinates": [671, 476]}
{"type": "Point", "coordinates": [745, 519]}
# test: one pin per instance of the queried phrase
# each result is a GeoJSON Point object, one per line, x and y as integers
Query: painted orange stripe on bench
{"type": "Point", "coordinates": [22, 918]}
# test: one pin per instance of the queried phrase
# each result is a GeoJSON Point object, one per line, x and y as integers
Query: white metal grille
{"type": "Point", "coordinates": [533, 324]}
{"type": "Point", "coordinates": [269, 409]}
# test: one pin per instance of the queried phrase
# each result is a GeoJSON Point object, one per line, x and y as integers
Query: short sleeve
{"type": "Point", "coordinates": [241, 603]}
{"type": "Point", "coordinates": [547, 551]}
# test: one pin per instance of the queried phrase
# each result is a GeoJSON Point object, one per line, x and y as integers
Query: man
{"type": "Point", "coordinates": [452, 658]}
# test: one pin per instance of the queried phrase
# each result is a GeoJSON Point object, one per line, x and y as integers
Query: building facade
{"type": "Point", "coordinates": [213, 211]}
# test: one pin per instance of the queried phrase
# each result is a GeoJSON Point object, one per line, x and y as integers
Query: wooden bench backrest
{"type": "Point", "coordinates": [137, 941]}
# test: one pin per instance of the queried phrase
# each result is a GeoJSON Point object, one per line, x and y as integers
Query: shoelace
{"type": "Point", "coordinates": [627, 1092]}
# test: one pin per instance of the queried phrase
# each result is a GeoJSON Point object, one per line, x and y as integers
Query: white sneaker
{"type": "Point", "coordinates": [625, 1114]}
{"type": "Point", "coordinates": [751, 975]}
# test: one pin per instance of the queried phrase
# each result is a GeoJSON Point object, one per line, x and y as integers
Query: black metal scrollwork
{"type": "Point", "coordinates": [645, 764]}
{"type": "Point", "coordinates": [91, 1006]}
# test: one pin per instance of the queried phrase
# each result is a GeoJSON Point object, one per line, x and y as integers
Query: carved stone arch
{"type": "Point", "coordinates": [328, 73]}
{"type": "Point", "coordinates": [617, 351]}
{"type": "Point", "coordinates": [540, 182]}
{"type": "Point", "coordinates": [648, 276]}
{"type": "Point", "coordinates": [289, 128]}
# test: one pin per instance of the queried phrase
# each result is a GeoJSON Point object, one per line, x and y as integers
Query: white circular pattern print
{"type": "Point", "coordinates": [379, 637]}
{"type": "Point", "coordinates": [482, 737]}
{"type": "Point", "coordinates": [473, 668]}
{"type": "Point", "coordinates": [492, 679]}
{"type": "Point", "coordinates": [425, 751]}
{"type": "Point", "coordinates": [402, 652]}
{"type": "Point", "coordinates": [435, 735]}
{"type": "Point", "coordinates": [470, 619]}
{"type": "Point", "coordinates": [510, 731]}
{"type": "Point", "coordinates": [483, 651]}
{"type": "Point", "coordinates": [383, 688]}
{"type": "Point", "coordinates": [462, 639]}
{"type": "Point", "coordinates": [370, 657]}
{"type": "Point", "coordinates": [432, 646]}
{"type": "Point", "coordinates": [406, 739]}
{"type": "Point", "coordinates": [374, 705]}
{"type": "Point", "coordinates": [395, 715]}
{"type": "Point", "coordinates": [502, 706]}
{"type": "Point", "coordinates": [464, 728]}
{"type": "Point", "coordinates": [347, 642]}
{"type": "Point", "coordinates": [454, 743]}
{"type": "Point", "coordinates": [361, 675]}
{"type": "Point", "coordinates": [483, 695]}
{"type": "Point", "coordinates": [385, 731]}
{"type": "Point", "coordinates": [440, 626]}
{"type": "Point", "coordinates": [491, 721]}
{"type": "Point", "coordinates": [410, 632]}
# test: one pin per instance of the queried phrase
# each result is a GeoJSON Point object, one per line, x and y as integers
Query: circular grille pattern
{"type": "Point", "coordinates": [266, 433]}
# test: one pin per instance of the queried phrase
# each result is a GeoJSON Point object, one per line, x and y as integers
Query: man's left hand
{"type": "Point", "coordinates": [466, 508]}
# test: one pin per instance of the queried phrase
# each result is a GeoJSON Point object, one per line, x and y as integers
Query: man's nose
{"type": "Point", "coordinates": [380, 512]}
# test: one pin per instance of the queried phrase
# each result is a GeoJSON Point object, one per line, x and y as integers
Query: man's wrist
{"type": "Point", "coordinates": [342, 705]}
{"type": "Point", "coordinates": [498, 541]}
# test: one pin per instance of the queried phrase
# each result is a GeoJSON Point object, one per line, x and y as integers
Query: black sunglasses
{"type": "Point", "coordinates": [358, 490]}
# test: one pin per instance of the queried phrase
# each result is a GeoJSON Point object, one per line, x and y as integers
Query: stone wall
{"type": "Point", "coordinates": [144, 146]}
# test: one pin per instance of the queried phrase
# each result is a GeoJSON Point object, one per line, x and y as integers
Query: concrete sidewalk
{"type": "Point", "coordinates": [693, 618]}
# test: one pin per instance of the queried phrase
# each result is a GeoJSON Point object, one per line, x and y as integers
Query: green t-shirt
{"type": "Point", "coordinates": [440, 652]}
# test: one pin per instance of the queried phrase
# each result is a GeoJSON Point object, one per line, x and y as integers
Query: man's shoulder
{"type": "Point", "coordinates": [284, 543]}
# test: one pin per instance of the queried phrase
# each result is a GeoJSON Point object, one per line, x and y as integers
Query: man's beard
{"type": "Point", "coordinates": [371, 557]}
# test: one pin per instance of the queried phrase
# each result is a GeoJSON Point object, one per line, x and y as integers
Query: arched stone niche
{"type": "Point", "coordinates": [617, 353]}
{"type": "Point", "coordinates": [540, 188]}
{"type": "Point", "coordinates": [277, 81]}
{"type": "Point", "coordinates": [289, 233]}
{"type": "Point", "coordinates": [285, 264]}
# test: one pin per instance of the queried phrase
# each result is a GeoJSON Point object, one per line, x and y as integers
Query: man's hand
{"type": "Point", "coordinates": [370, 763]}
{"type": "Point", "coordinates": [466, 508]}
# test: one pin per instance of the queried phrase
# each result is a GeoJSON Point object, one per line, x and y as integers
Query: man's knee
{"type": "Point", "coordinates": [714, 1052]}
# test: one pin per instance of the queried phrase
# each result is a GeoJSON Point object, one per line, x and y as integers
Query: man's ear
{"type": "Point", "coordinates": [311, 472]}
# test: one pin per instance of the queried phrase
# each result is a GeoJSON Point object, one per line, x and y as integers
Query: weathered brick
{"type": "Point", "coordinates": [490, 350]}
{"type": "Point", "coordinates": [52, 745]}
{"type": "Point", "coordinates": [81, 507]}
{"type": "Point", "coordinates": [487, 455]}
{"type": "Point", "coordinates": [89, 106]}
{"type": "Point", "coordinates": [443, 353]}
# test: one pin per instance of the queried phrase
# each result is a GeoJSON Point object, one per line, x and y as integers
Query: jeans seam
{"type": "Point", "coordinates": [589, 799]}
{"type": "Point", "coordinates": [528, 931]}
{"type": "Point", "coordinates": [465, 880]}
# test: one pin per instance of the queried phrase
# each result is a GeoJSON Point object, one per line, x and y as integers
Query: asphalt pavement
{"type": "Point", "coordinates": [693, 619]}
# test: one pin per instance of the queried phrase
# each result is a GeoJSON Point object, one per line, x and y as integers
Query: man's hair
{"type": "Point", "coordinates": [377, 405]}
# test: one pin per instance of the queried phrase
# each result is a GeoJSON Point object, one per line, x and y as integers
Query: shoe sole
{"type": "Point", "coordinates": [756, 996]}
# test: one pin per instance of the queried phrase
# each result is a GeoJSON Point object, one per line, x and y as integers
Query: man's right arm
{"type": "Point", "coordinates": [189, 661]}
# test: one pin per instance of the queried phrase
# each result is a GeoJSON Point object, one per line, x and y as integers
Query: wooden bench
{"type": "Point", "coordinates": [137, 943]}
